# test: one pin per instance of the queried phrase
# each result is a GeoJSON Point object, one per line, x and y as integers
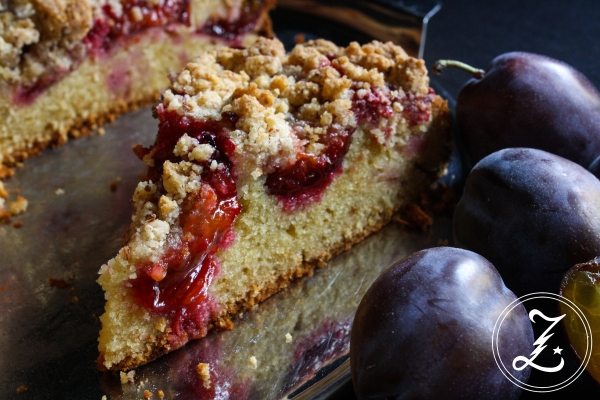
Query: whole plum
{"type": "Point", "coordinates": [532, 214]}
{"type": "Point", "coordinates": [424, 330]}
{"type": "Point", "coordinates": [529, 100]}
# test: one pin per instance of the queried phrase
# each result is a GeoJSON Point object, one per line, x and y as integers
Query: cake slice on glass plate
{"type": "Point", "coordinates": [67, 66]}
{"type": "Point", "coordinates": [265, 165]}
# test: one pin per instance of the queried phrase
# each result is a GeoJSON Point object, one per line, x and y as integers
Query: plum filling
{"type": "Point", "coordinates": [304, 181]}
{"type": "Point", "coordinates": [232, 30]}
{"type": "Point", "coordinates": [136, 16]}
{"type": "Point", "coordinates": [177, 285]}
{"type": "Point", "coordinates": [376, 103]}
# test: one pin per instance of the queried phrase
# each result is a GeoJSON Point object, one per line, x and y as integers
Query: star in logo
{"type": "Point", "coordinates": [557, 350]}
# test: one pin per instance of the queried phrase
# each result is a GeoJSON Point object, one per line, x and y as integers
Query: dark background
{"type": "Point", "coordinates": [477, 31]}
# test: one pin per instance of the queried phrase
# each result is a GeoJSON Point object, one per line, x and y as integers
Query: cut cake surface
{"type": "Point", "coordinates": [68, 66]}
{"type": "Point", "coordinates": [266, 164]}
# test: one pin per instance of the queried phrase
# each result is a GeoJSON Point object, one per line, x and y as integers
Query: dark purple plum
{"type": "Point", "coordinates": [532, 214]}
{"type": "Point", "coordinates": [424, 331]}
{"type": "Point", "coordinates": [529, 100]}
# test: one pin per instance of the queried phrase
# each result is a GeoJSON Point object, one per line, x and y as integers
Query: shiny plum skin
{"type": "Point", "coordinates": [532, 214]}
{"type": "Point", "coordinates": [424, 330]}
{"type": "Point", "coordinates": [529, 100]}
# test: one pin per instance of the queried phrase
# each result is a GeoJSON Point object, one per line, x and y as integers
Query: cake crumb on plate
{"type": "Point", "coordinates": [203, 370]}
{"type": "Point", "coordinates": [18, 206]}
{"type": "Point", "coordinates": [127, 377]}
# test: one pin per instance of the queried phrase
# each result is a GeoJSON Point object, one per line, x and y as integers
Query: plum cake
{"type": "Point", "coordinates": [265, 165]}
{"type": "Point", "coordinates": [67, 66]}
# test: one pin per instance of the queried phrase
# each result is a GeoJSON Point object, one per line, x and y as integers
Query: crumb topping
{"type": "Point", "coordinates": [41, 36]}
{"type": "Point", "coordinates": [286, 102]}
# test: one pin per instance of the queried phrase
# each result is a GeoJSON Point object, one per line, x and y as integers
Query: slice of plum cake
{"type": "Point", "coordinates": [265, 165]}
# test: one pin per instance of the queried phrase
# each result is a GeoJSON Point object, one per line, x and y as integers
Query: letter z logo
{"type": "Point", "coordinates": [541, 343]}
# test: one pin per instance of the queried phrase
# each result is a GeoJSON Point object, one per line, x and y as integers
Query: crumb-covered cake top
{"type": "Point", "coordinates": [286, 103]}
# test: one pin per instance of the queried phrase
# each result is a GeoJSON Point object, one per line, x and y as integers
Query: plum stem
{"type": "Point", "coordinates": [441, 65]}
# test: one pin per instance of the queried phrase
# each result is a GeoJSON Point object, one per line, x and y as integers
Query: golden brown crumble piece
{"type": "Point", "coordinates": [63, 21]}
{"type": "Point", "coordinates": [3, 192]}
{"type": "Point", "coordinates": [203, 370]}
{"type": "Point", "coordinates": [18, 206]}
